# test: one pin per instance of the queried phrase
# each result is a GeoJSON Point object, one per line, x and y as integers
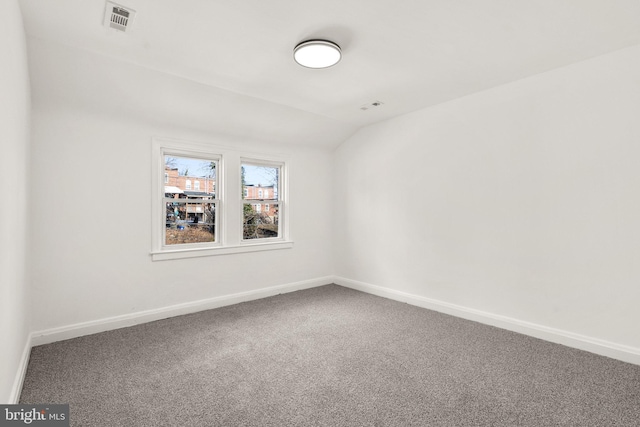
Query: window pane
{"type": "Point", "coordinates": [260, 209]}
{"type": "Point", "coordinates": [189, 199]}
{"type": "Point", "coordinates": [260, 182]}
{"type": "Point", "coordinates": [195, 175]}
{"type": "Point", "coordinates": [260, 222]}
{"type": "Point", "coordinates": [189, 222]}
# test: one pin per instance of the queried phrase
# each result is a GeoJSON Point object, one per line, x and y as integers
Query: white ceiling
{"type": "Point", "coordinates": [408, 54]}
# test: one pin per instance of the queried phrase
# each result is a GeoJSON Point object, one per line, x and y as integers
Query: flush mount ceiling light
{"type": "Point", "coordinates": [317, 54]}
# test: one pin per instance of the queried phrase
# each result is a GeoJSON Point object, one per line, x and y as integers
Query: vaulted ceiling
{"type": "Point", "coordinates": [407, 54]}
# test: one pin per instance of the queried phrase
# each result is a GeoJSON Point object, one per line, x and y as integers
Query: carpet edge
{"type": "Point", "coordinates": [570, 339]}
{"type": "Point", "coordinates": [51, 335]}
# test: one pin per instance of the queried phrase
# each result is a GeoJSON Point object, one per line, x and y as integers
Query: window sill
{"type": "Point", "coordinates": [226, 250]}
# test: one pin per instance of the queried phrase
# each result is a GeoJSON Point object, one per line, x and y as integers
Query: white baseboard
{"type": "Point", "coordinates": [14, 397]}
{"type": "Point", "coordinates": [593, 345]}
{"type": "Point", "coordinates": [86, 328]}
{"type": "Point", "coordinates": [570, 339]}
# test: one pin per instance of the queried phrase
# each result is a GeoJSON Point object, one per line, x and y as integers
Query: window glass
{"type": "Point", "coordinates": [260, 182]}
{"type": "Point", "coordinates": [190, 218]}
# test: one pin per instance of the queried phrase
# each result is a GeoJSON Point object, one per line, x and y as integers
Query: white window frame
{"type": "Point", "coordinates": [281, 201]}
{"type": "Point", "coordinates": [159, 205]}
{"type": "Point", "coordinates": [229, 227]}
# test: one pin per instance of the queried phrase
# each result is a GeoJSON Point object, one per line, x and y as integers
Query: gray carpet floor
{"type": "Point", "coordinates": [328, 356]}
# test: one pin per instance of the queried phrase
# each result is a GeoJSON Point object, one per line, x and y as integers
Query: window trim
{"type": "Point", "coordinates": [228, 232]}
{"type": "Point", "coordinates": [158, 199]}
{"type": "Point", "coordinates": [281, 201]}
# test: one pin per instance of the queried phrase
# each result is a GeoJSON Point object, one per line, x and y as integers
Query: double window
{"type": "Point", "coordinates": [239, 207]}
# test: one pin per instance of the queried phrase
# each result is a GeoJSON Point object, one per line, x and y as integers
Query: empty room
{"type": "Point", "coordinates": [336, 213]}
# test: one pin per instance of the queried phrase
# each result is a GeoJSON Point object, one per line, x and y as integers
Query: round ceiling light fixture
{"type": "Point", "coordinates": [317, 53]}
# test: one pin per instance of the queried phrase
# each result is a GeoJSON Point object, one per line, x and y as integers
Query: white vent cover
{"type": "Point", "coordinates": [118, 17]}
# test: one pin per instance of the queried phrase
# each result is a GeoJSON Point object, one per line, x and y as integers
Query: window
{"type": "Point", "coordinates": [189, 220]}
{"type": "Point", "coordinates": [224, 214]}
{"type": "Point", "coordinates": [259, 223]}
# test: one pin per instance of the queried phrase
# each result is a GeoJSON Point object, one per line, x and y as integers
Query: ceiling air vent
{"type": "Point", "coordinates": [118, 17]}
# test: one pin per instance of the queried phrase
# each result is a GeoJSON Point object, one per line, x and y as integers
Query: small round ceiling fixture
{"type": "Point", "coordinates": [317, 53]}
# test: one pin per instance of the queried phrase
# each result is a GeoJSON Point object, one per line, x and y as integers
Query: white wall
{"type": "Point", "coordinates": [521, 201]}
{"type": "Point", "coordinates": [14, 146]}
{"type": "Point", "coordinates": [91, 198]}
